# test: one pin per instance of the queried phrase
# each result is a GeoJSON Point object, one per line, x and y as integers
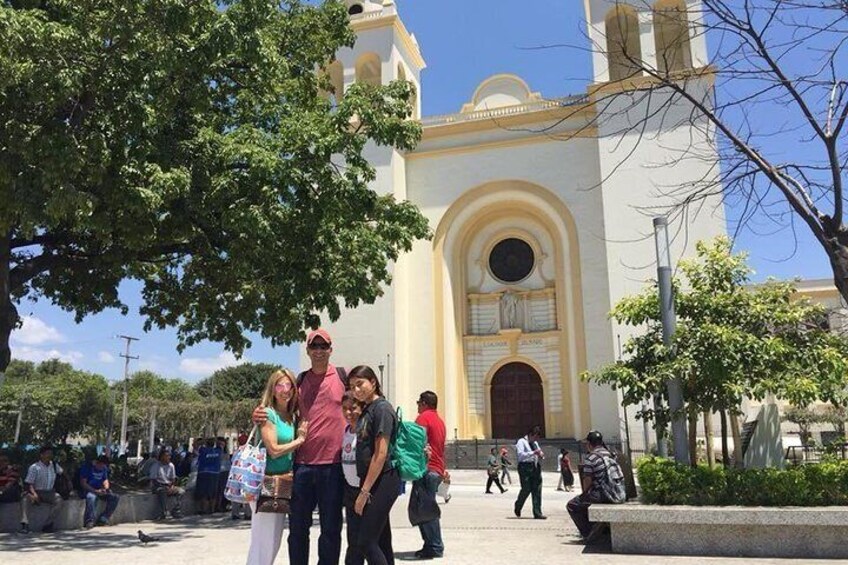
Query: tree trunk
{"type": "Point", "coordinates": [693, 437]}
{"type": "Point", "coordinates": [836, 246]}
{"type": "Point", "coordinates": [725, 450]}
{"type": "Point", "coordinates": [708, 438]}
{"type": "Point", "coordinates": [8, 312]}
{"type": "Point", "coordinates": [738, 459]}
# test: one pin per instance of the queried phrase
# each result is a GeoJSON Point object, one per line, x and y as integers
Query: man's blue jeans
{"type": "Point", "coordinates": [431, 532]}
{"type": "Point", "coordinates": [322, 486]}
{"type": "Point", "coordinates": [91, 504]}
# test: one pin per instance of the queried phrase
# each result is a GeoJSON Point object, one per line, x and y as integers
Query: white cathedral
{"type": "Point", "coordinates": [540, 227]}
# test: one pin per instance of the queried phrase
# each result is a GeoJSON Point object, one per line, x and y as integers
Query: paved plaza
{"type": "Point", "coordinates": [478, 529]}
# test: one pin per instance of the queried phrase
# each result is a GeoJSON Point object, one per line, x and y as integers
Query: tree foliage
{"type": "Point", "coordinates": [242, 382]}
{"type": "Point", "coordinates": [733, 341]}
{"type": "Point", "coordinates": [57, 401]}
{"type": "Point", "coordinates": [190, 146]}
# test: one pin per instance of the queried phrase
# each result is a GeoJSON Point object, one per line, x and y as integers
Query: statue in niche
{"type": "Point", "coordinates": [509, 309]}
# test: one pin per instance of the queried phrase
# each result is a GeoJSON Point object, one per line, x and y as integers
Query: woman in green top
{"type": "Point", "coordinates": [278, 436]}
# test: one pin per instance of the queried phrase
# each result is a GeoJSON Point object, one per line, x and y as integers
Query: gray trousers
{"type": "Point", "coordinates": [49, 497]}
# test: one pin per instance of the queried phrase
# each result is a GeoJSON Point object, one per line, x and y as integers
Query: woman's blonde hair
{"type": "Point", "coordinates": [269, 399]}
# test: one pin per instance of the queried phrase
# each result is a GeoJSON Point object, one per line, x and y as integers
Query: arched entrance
{"type": "Point", "coordinates": [518, 402]}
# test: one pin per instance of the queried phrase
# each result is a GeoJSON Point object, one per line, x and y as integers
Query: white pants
{"type": "Point", "coordinates": [266, 535]}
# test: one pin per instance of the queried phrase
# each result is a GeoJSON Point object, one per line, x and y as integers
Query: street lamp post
{"type": "Point", "coordinates": [669, 325]}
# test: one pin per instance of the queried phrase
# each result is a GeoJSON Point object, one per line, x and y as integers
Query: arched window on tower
{"type": "Point", "coordinates": [368, 69]}
{"type": "Point", "coordinates": [624, 52]}
{"type": "Point", "coordinates": [355, 9]}
{"type": "Point", "coordinates": [671, 36]}
{"type": "Point", "coordinates": [401, 75]}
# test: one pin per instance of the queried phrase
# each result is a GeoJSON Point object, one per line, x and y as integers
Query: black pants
{"type": "Point", "coordinates": [578, 509]}
{"type": "Point", "coordinates": [530, 476]}
{"type": "Point", "coordinates": [493, 479]}
{"type": "Point", "coordinates": [371, 539]}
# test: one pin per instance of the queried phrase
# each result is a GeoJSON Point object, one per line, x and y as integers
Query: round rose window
{"type": "Point", "coordinates": [511, 260]}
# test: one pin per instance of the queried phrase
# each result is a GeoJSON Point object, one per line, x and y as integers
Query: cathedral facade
{"type": "Point", "coordinates": [540, 210]}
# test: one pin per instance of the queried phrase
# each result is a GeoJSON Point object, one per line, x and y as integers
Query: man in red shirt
{"type": "Point", "coordinates": [318, 479]}
{"type": "Point", "coordinates": [429, 419]}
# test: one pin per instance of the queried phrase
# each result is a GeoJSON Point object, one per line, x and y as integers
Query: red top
{"type": "Point", "coordinates": [429, 420]}
{"type": "Point", "coordinates": [321, 405]}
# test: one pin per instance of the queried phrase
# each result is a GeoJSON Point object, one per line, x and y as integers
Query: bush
{"type": "Point", "coordinates": [665, 482]}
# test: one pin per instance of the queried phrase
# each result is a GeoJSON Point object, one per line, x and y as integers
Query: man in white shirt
{"type": "Point", "coordinates": [163, 479]}
{"type": "Point", "coordinates": [530, 457]}
{"type": "Point", "coordinates": [39, 488]}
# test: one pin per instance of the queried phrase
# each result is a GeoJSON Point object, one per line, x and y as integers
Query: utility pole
{"type": "Point", "coordinates": [122, 448]}
{"type": "Point", "coordinates": [669, 325]}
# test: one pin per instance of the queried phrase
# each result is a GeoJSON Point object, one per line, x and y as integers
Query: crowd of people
{"type": "Point", "coordinates": [336, 430]}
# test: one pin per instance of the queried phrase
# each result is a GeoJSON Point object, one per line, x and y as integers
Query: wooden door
{"type": "Point", "coordinates": [517, 402]}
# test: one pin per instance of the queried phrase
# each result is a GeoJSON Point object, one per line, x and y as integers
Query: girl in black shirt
{"type": "Point", "coordinates": [376, 431]}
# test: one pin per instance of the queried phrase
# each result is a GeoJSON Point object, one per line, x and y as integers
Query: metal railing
{"type": "Point", "coordinates": [809, 454]}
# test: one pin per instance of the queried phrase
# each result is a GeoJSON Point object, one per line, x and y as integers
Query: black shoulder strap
{"type": "Point", "coordinates": [300, 377]}
{"type": "Point", "coordinates": [342, 375]}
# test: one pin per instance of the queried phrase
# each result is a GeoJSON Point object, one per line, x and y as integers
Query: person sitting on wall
{"type": "Point", "coordinates": [94, 480]}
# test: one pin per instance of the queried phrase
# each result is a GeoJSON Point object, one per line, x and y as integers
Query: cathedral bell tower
{"type": "Point", "coordinates": [378, 334]}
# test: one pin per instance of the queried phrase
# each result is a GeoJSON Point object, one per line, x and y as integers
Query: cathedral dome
{"type": "Point", "coordinates": [500, 91]}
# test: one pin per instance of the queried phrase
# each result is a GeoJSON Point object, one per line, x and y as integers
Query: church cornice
{"type": "Point", "coordinates": [386, 18]}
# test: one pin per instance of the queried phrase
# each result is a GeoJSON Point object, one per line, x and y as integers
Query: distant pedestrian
{"type": "Point", "coordinates": [221, 503]}
{"type": "Point", "coordinates": [429, 419]}
{"type": "Point", "coordinates": [530, 458]}
{"type": "Point", "coordinates": [493, 469]}
{"type": "Point", "coordinates": [566, 473]}
{"type": "Point", "coordinates": [39, 488]}
{"type": "Point", "coordinates": [505, 465]}
{"type": "Point", "coordinates": [208, 467]}
{"type": "Point", "coordinates": [602, 481]}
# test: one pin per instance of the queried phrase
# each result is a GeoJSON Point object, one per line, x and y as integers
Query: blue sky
{"type": "Point", "coordinates": [463, 41]}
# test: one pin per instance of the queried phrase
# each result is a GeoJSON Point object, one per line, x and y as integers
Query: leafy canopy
{"type": "Point", "coordinates": [191, 146]}
{"type": "Point", "coordinates": [732, 341]}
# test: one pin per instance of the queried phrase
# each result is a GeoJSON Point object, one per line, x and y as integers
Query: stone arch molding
{"type": "Point", "coordinates": [456, 228]}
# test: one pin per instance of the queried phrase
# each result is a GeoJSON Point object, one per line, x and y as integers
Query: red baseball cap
{"type": "Point", "coordinates": [320, 332]}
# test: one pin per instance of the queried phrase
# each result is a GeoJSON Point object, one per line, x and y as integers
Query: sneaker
{"type": "Point", "coordinates": [24, 528]}
{"type": "Point", "coordinates": [48, 528]}
{"type": "Point", "coordinates": [88, 525]}
{"type": "Point", "coordinates": [540, 517]}
{"type": "Point", "coordinates": [517, 512]}
{"type": "Point", "coordinates": [560, 489]}
{"type": "Point", "coordinates": [489, 492]}
{"type": "Point", "coordinates": [234, 516]}
{"type": "Point", "coordinates": [447, 498]}
{"type": "Point", "coordinates": [103, 522]}
{"type": "Point", "coordinates": [504, 490]}
{"type": "Point", "coordinates": [427, 554]}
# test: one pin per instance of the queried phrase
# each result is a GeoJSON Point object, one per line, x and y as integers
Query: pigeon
{"type": "Point", "coordinates": [145, 539]}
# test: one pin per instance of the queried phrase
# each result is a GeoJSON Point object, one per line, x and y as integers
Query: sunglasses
{"type": "Point", "coordinates": [283, 387]}
{"type": "Point", "coordinates": [323, 346]}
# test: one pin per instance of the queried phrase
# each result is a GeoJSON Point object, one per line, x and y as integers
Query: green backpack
{"type": "Point", "coordinates": [408, 455]}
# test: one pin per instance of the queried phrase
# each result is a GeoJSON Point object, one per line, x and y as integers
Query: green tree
{"type": "Point", "coordinates": [245, 381]}
{"type": "Point", "coordinates": [732, 341]}
{"type": "Point", "coordinates": [57, 401]}
{"type": "Point", "coordinates": [190, 146]}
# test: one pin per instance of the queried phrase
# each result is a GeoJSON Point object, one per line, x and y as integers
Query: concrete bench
{"type": "Point", "coordinates": [132, 508]}
{"type": "Point", "coordinates": [726, 531]}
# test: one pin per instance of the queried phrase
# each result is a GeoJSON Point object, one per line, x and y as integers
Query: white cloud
{"type": "Point", "coordinates": [205, 366]}
{"type": "Point", "coordinates": [39, 354]}
{"type": "Point", "coordinates": [106, 357]}
{"type": "Point", "coordinates": [35, 332]}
